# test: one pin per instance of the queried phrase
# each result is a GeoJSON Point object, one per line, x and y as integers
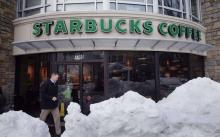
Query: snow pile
{"type": "Point", "coordinates": [131, 115]}
{"type": "Point", "coordinates": [199, 96]}
{"type": "Point", "coordinates": [20, 124]}
{"type": "Point", "coordinates": [78, 124]}
{"type": "Point", "coordinates": [192, 110]}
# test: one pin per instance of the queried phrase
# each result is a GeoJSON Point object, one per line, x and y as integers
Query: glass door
{"type": "Point", "coordinates": [82, 83]}
{"type": "Point", "coordinates": [93, 84]}
{"type": "Point", "coordinates": [69, 85]}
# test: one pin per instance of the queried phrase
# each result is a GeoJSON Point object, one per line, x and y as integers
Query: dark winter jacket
{"type": "Point", "coordinates": [2, 103]}
{"type": "Point", "coordinates": [48, 90]}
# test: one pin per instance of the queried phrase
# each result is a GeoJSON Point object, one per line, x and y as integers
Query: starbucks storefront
{"type": "Point", "coordinates": [100, 55]}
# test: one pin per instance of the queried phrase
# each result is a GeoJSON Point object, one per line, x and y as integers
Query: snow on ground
{"type": "Point", "coordinates": [20, 124]}
{"type": "Point", "coordinates": [126, 116]}
{"type": "Point", "coordinates": [192, 110]}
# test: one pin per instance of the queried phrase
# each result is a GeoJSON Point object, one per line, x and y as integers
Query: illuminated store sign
{"type": "Point", "coordinates": [122, 26]}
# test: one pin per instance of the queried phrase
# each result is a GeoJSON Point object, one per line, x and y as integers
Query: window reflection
{"type": "Point", "coordinates": [131, 71]}
{"type": "Point", "coordinates": [194, 8]}
{"type": "Point", "coordinates": [174, 71]}
{"type": "Point", "coordinates": [172, 13]}
{"type": "Point", "coordinates": [127, 70]}
{"type": "Point", "coordinates": [197, 66]}
{"type": "Point", "coordinates": [172, 3]}
{"type": "Point", "coordinates": [30, 72]}
{"type": "Point", "coordinates": [131, 7]}
{"type": "Point", "coordinates": [32, 12]}
{"type": "Point", "coordinates": [31, 3]}
{"type": "Point", "coordinates": [93, 81]}
{"type": "Point", "coordinates": [176, 8]}
{"type": "Point", "coordinates": [32, 69]}
{"type": "Point", "coordinates": [80, 6]}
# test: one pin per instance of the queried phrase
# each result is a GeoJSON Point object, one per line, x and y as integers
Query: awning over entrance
{"type": "Point", "coordinates": [61, 45]}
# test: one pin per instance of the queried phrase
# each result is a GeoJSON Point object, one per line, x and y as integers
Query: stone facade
{"type": "Point", "coordinates": [7, 61]}
{"type": "Point", "coordinates": [211, 20]}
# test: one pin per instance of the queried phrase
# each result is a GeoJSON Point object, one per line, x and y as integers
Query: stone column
{"type": "Point", "coordinates": [211, 20]}
{"type": "Point", "coordinates": [7, 61]}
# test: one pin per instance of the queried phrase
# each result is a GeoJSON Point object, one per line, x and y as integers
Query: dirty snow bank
{"type": "Point", "coordinates": [20, 124]}
{"type": "Point", "coordinates": [192, 110]}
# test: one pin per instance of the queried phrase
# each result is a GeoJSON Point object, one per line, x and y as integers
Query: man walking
{"type": "Point", "coordinates": [49, 101]}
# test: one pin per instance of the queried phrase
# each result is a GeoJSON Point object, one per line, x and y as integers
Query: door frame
{"type": "Point", "coordinates": [81, 62]}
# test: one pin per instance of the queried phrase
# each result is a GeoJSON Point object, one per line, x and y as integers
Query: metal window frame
{"type": "Point", "coordinates": [24, 9]}
{"type": "Point", "coordinates": [78, 2]}
{"type": "Point", "coordinates": [170, 8]}
{"type": "Point", "coordinates": [155, 6]}
{"type": "Point", "coordinates": [198, 2]}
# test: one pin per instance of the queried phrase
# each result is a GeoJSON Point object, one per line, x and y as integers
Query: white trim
{"type": "Point", "coordinates": [195, 48]}
{"type": "Point", "coordinates": [187, 9]}
{"type": "Point", "coordinates": [155, 6]}
{"type": "Point", "coordinates": [95, 6]}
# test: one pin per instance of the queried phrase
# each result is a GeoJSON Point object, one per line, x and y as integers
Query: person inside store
{"type": "Point", "coordinates": [2, 101]}
{"type": "Point", "coordinates": [49, 101]}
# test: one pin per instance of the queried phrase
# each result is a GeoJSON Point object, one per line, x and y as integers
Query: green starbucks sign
{"type": "Point", "coordinates": [122, 26]}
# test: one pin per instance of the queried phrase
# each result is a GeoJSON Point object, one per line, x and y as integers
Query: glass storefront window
{"type": "Point", "coordinates": [31, 71]}
{"type": "Point", "coordinates": [93, 81]}
{"type": "Point", "coordinates": [150, 1]}
{"type": "Point", "coordinates": [172, 13]}
{"type": "Point", "coordinates": [31, 3]}
{"type": "Point", "coordinates": [60, 57]}
{"type": "Point", "coordinates": [68, 56]}
{"type": "Point", "coordinates": [32, 12]}
{"type": "Point", "coordinates": [44, 67]}
{"type": "Point", "coordinates": [49, 1]}
{"type": "Point", "coordinates": [19, 5]}
{"type": "Point", "coordinates": [80, 6]}
{"type": "Point", "coordinates": [176, 8]}
{"type": "Point", "coordinates": [197, 67]}
{"type": "Point", "coordinates": [131, 7]}
{"type": "Point", "coordinates": [174, 71]}
{"type": "Point", "coordinates": [160, 2]}
{"type": "Point", "coordinates": [91, 77]}
{"type": "Point", "coordinates": [59, 7]}
{"type": "Point", "coordinates": [99, 5]}
{"type": "Point", "coordinates": [131, 71]}
{"type": "Point", "coordinates": [150, 8]}
{"type": "Point", "coordinates": [172, 3]}
{"type": "Point", "coordinates": [49, 9]}
{"type": "Point", "coordinates": [140, 1]}
{"type": "Point", "coordinates": [184, 5]}
{"type": "Point", "coordinates": [60, 1]}
{"type": "Point", "coordinates": [194, 7]}
{"type": "Point", "coordinates": [113, 6]}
